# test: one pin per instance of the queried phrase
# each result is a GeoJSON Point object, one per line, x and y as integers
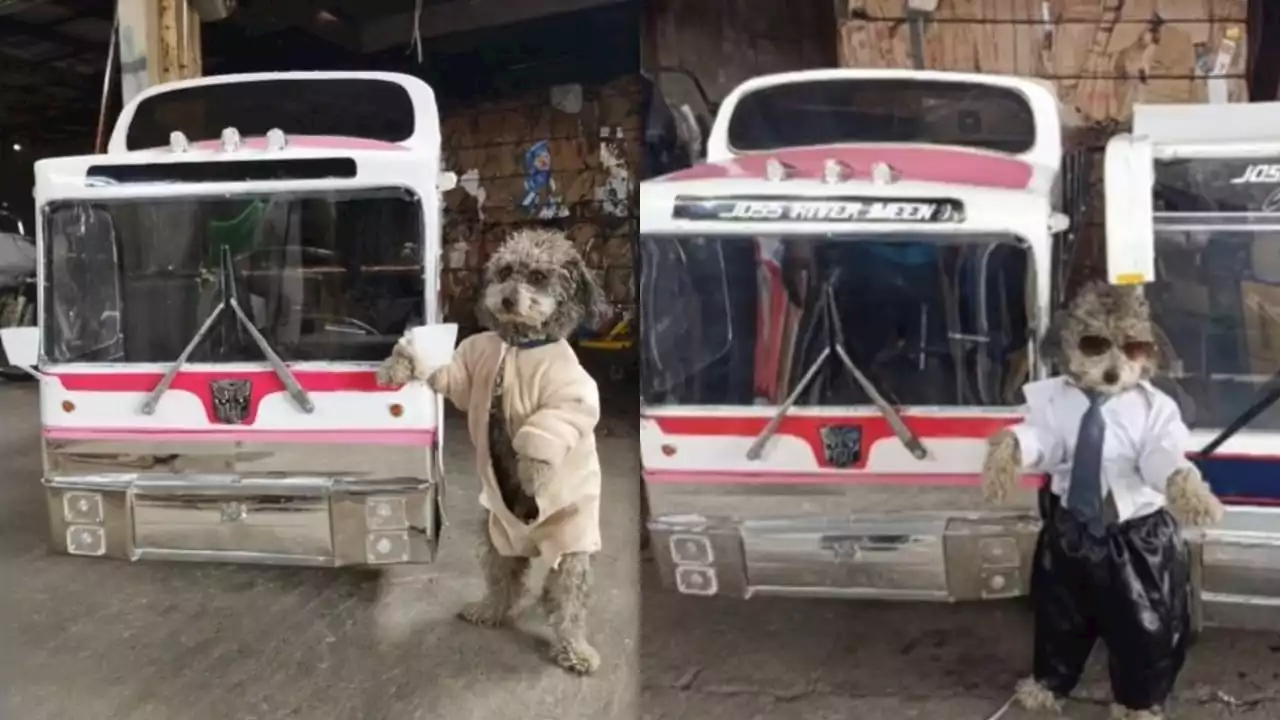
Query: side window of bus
{"type": "Point", "coordinates": [82, 286]}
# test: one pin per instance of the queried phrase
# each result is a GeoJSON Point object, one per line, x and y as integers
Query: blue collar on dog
{"type": "Point", "coordinates": [530, 344]}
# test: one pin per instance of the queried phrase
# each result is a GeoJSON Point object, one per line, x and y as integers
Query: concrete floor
{"type": "Point", "coordinates": [782, 659]}
{"type": "Point", "coordinates": [105, 640]}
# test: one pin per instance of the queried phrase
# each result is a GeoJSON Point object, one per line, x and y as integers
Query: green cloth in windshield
{"type": "Point", "coordinates": [237, 233]}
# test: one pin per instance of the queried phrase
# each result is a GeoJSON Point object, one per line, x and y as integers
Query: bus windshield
{"type": "Point", "coordinates": [322, 276]}
{"type": "Point", "coordinates": [930, 319]}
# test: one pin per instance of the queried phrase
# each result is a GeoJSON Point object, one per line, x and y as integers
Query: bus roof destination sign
{"type": "Point", "coordinates": [800, 209]}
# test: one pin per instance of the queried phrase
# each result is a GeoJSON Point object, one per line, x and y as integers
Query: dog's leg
{"type": "Point", "coordinates": [1001, 467]}
{"type": "Point", "coordinates": [565, 597]}
{"type": "Point", "coordinates": [504, 579]}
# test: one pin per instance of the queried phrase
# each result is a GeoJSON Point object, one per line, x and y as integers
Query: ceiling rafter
{"type": "Point", "coordinates": [49, 33]}
{"type": "Point", "coordinates": [55, 73]}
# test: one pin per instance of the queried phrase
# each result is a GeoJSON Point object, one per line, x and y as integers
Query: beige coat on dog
{"type": "Point", "coordinates": [552, 406]}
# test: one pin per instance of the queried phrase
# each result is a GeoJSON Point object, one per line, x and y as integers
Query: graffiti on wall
{"type": "Point", "coordinates": [540, 197]}
{"type": "Point", "coordinates": [614, 194]}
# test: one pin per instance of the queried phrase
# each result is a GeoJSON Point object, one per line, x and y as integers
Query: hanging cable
{"type": "Point", "coordinates": [415, 40]}
{"type": "Point", "coordinates": [106, 81]}
{"type": "Point", "coordinates": [1004, 708]}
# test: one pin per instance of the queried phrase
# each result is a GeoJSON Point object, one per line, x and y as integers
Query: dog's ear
{"type": "Point", "coordinates": [595, 306]}
{"type": "Point", "coordinates": [1051, 349]}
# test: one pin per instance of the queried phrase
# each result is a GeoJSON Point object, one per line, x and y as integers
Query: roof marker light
{"type": "Point", "coordinates": [178, 142]}
{"type": "Point", "coordinates": [276, 140]}
{"type": "Point", "coordinates": [834, 171]}
{"type": "Point", "coordinates": [883, 174]}
{"type": "Point", "coordinates": [230, 139]}
{"type": "Point", "coordinates": [775, 170]}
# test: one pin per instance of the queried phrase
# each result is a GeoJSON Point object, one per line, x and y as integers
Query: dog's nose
{"type": "Point", "coordinates": [1110, 377]}
{"type": "Point", "coordinates": [508, 304]}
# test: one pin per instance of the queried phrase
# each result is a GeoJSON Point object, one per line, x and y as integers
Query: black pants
{"type": "Point", "coordinates": [1131, 588]}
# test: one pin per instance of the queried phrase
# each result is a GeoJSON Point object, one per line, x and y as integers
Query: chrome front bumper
{"type": "Point", "coordinates": [919, 557]}
{"type": "Point", "coordinates": [245, 502]}
{"type": "Point", "coordinates": [941, 557]}
{"type": "Point", "coordinates": [308, 521]}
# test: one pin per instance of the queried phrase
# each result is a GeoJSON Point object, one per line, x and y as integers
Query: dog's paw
{"type": "Point", "coordinates": [484, 614]}
{"type": "Point", "coordinates": [1001, 468]}
{"type": "Point", "coordinates": [1191, 500]}
{"type": "Point", "coordinates": [533, 474]}
{"type": "Point", "coordinates": [401, 367]}
{"type": "Point", "coordinates": [577, 657]}
{"type": "Point", "coordinates": [1120, 712]}
{"type": "Point", "coordinates": [1031, 695]}
{"type": "Point", "coordinates": [395, 372]}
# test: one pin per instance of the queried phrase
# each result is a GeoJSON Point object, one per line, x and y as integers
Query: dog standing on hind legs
{"type": "Point", "coordinates": [1110, 563]}
{"type": "Point", "coordinates": [531, 411]}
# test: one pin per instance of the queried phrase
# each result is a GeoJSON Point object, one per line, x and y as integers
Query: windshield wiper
{"type": "Point", "coordinates": [230, 299]}
{"type": "Point", "coordinates": [830, 317]}
{"type": "Point", "coordinates": [1269, 394]}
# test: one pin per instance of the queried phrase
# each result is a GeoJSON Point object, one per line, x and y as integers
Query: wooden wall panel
{"type": "Point", "coordinates": [1103, 55]}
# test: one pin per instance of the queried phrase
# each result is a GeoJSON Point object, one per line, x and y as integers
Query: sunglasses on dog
{"type": "Point", "coordinates": [1095, 345]}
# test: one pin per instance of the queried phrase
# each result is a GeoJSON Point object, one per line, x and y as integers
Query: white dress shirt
{"type": "Point", "coordinates": [1146, 441]}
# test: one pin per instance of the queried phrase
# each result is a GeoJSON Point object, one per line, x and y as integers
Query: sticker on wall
{"type": "Point", "coordinates": [1218, 89]}
{"type": "Point", "coordinates": [540, 197]}
{"type": "Point", "coordinates": [614, 195]}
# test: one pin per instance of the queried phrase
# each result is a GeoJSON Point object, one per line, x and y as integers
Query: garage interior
{"type": "Point", "coordinates": [501, 73]}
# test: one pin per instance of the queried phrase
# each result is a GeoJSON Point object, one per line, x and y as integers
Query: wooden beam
{"type": "Point", "coordinates": [458, 16]}
{"type": "Point", "coordinates": [49, 73]}
{"type": "Point", "coordinates": [49, 33]}
{"type": "Point", "coordinates": [159, 42]}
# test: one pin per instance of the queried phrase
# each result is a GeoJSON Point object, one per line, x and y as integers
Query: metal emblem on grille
{"type": "Point", "coordinates": [230, 400]}
{"type": "Point", "coordinates": [233, 511]}
{"type": "Point", "coordinates": [842, 444]}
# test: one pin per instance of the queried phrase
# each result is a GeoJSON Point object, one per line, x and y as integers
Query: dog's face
{"type": "Point", "coordinates": [536, 286]}
{"type": "Point", "coordinates": [1104, 338]}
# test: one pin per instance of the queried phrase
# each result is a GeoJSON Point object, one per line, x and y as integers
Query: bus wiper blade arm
{"type": "Point", "coordinates": [153, 398]}
{"type": "Point", "coordinates": [836, 345]}
{"type": "Point", "coordinates": [896, 423]}
{"type": "Point", "coordinates": [1270, 395]}
{"type": "Point", "coordinates": [227, 291]}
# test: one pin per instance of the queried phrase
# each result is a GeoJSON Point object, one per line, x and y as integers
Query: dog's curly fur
{"type": "Point", "coordinates": [1121, 315]}
{"type": "Point", "coordinates": [536, 287]}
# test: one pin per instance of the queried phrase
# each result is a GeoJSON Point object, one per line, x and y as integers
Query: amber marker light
{"type": "Point", "coordinates": [68, 406]}
{"type": "Point", "coordinates": [396, 410]}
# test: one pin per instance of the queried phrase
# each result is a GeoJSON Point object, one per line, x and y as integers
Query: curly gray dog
{"type": "Point", "coordinates": [536, 292]}
{"type": "Point", "coordinates": [1112, 318]}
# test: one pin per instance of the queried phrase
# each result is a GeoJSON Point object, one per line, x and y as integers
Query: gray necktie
{"type": "Point", "coordinates": [1084, 496]}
